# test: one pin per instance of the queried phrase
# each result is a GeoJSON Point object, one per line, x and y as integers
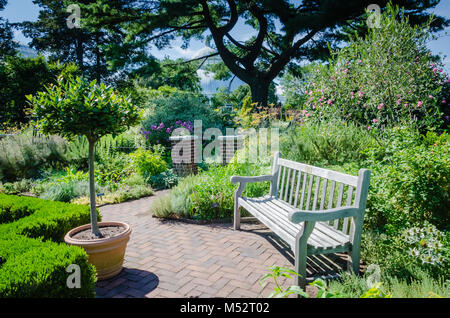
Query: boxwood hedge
{"type": "Point", "coordinates": [34, 258]}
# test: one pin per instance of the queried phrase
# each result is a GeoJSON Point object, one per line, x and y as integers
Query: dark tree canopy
{"type": "Point", "coordinates": [285, 31]}
{"type": "Point", "coordinates": [86, 46]}
{"type": "Point", "coordinates": [7, 45]}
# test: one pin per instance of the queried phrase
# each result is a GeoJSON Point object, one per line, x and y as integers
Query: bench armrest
{"type": "Point", "coordinates": [238, 179]}
{"type": "Point", "coordinates": [325, 215]}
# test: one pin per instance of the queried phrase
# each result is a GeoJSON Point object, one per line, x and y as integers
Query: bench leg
{"type": "Point", "coordinates": [301, 253]}
{"type": "Point", "coordinates": [300, 268]}
{"type": "Point", "coordinates": [237, 217]}
{"type": "Point", "coordinates": [353, 261]}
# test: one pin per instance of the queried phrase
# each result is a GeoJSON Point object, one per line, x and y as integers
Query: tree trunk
{"type": "Point", "coordinates": [94, 225]}
{"type": "Point", "coordinates": [260, 92]}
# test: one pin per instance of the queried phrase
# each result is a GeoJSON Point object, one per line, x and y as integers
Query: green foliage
{"type": "Point", "coordinates": [235, 98]}
{"type": "Point", "coordinates": [112, 169]}
{"type": "Point", "coordinates": [143, 96]}
{"type": "Point", "coordinates": [148, 163]}
{"type": "Point", "coordinates": [35, 263]}
{"type": "Point", "coordinates": [323, 291]}
{"type": "Point", "coordinates": [17, 187]}
{"type": "Point", "coordinates": [89, 46]}
{"type": "Point", "coordinates": [294, 84]}
{"type": "Point", "coordinates": [325, 143]}
{"type": "Point", "coordinates": [65, 191]}
{"type": "Point", "coordinates": [175, 73]}
{"type": "Point", "coordinates": [392, 253]}
{"type": "Point", "coordinates": [171, 112]}
{"type": "Point", "coordinates": [410, 180]}
{"type": "Point", "coordinates": [209, 195]}
{"type": "Point", "coordinates": [385, 79]}
{"type": "Point", "coordinates": [121, 194]}
{"type": "Point", "coordinates": [165, 180]}
{"type": "Point", "coordinates": [279, 291]}
{"type": "Point", "coordinates": [355, 286]}
{"type": "Point", "coordinates": [7, 45]}
{"type": "Point", "coordinates": [77, 107]}
{"type": "Point", "coordinates": [21, 76]}
{"type": "Point", "coordinates": [24, 156]}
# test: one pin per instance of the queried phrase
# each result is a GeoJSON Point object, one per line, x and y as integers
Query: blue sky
{"type": "Point", "coordinates": [25, 10]}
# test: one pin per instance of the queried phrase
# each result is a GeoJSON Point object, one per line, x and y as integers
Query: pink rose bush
{"type": "Point", "coordinates": [406, 86]}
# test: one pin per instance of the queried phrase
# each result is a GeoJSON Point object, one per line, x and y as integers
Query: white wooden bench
{"type": "Point", "coordinates": [314, 210]}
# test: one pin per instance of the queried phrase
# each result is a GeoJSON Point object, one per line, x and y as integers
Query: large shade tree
{"type": "Point", "coordinates": [284, 31]}
{"type": "Point", "coordinates": [85, 44]}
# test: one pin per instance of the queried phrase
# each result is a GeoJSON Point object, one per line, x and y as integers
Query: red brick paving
{"type": "Point", "coordinates": [179, 259]}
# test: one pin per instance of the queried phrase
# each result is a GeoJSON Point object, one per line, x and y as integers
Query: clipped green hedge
{"type": "Point", "coordinates": [34, 261]}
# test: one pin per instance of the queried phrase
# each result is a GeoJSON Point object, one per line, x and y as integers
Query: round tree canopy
{"type": "Point", "coordinates": [76, 107]}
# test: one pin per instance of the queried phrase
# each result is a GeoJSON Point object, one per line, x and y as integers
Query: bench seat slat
{"type": "Point", "coordinates": [289, 208]}
{"type": "Point", "coordinates": [328, 234]}
{"type": "Point", "coordinates": [274, 214]}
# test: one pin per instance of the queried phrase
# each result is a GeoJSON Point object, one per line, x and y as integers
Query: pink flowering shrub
{"type": "Point", "coordinates": [388, 77]}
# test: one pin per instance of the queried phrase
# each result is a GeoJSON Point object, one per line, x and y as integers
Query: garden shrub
{"type": "Point", "coordinates": [354, 286]}
{"type": "Point", "coordinates": [325, 143]}
{"type": "Point", "coordinates": [65, 191]}
{"type": "Point", "coordinates": [210, 194]}
{"type": "Point", "coordinates": [148, 162]}
{"type": "Point", "coordinates": [24, 156]}
{"type": "Point", "coordinates": [176, 111]}
{"type": "Point", "coordinates": [35, 263]}
{"type": "Point", "coordinates": [387, 78]}
{"type": "Point", "coordinates": [410, 181]}
{"type": "Point", "coordinates": [164, 180]}
{"type": "Point", "coordinates": [17, 187]}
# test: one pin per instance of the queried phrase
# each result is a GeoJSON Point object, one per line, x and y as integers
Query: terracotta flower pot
{"type": "Point", "coordinates": [106, 254]}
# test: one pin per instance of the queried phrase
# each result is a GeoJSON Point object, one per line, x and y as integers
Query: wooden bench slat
{"type": "Point", "coordinates": [317, 239]}
{"type": "Point", "coordinates": [282, 183]}
{"type": "Point", "coordinates": [331, 198]}
{"type": "Point", "coordinates": [292, 186]}
{"type": "Point", "coordinates": [348, 203]}
{"type": "Point", "coordinates": [298, 188]}
{"type": "Point", "coordinates": [285, 207]}
{"type": "Point", "coordinates": [316, 193]}
{"type": "Point", "coordinates": [287, 185]}
{"type": "Point", "coordinates": [305, 178]}
{"type": "Point", "coordinates": [324, 194]}
{"type": "Point", "coordinates": [308, 196]}
{"type": "Point", "coordinates": [324, 173]}
{"type": "Point", "coordinates": [273, 225]}
{"type": "Point", "coordinates": [276, 211]}
{"type": "Point", "coordinates": [339, 203]}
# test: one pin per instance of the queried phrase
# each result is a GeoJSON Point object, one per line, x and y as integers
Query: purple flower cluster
{"type": "Point", "coordinates": [161, 128]}
{"type": "Point", "coordinates": [188, 125]}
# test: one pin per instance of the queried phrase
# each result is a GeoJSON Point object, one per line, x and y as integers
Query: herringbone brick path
{"type": "Point", "coordinates": [178, 259]}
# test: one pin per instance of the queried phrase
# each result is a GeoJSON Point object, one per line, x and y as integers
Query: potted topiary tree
{"type": "Point", "coordinates": [75, 107]}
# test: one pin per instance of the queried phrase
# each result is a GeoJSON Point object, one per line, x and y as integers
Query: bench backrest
{"type": "Point", "coordinates": [314, 189]}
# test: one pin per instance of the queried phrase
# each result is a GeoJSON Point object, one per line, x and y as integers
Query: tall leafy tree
{"type": "Point", "coordinates": [86, 46]}
{"type": "Point", "coordinates": [285, 31]}
{"type": "Point", "coordinates": [7, 45]}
